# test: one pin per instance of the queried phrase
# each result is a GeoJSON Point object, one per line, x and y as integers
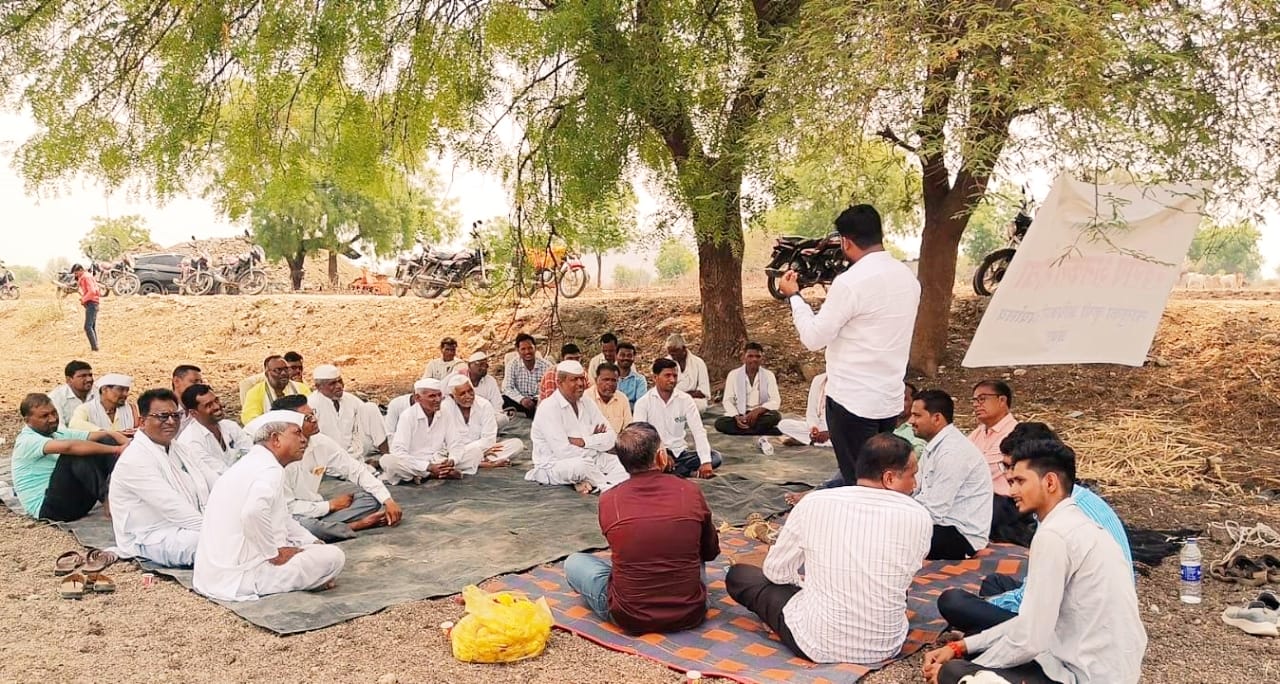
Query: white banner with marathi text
{"type": "Point", "coordinates": [1090, 280]}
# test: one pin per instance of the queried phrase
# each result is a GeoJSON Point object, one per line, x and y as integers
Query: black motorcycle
{"type": "Point", "coordinates": [242, 273]}
{"type": "Point", "coordinates": [993, 267]}
{"type": "Point", "coordinates": [463, 270]}
{"type": "Point", "coordinates": [8, 286]}
{"type": "Point", "coordinates": [817, 261]}
{"type": "Point", "coordinates": [411, 269]}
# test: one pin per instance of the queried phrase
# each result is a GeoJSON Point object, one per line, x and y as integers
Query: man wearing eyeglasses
{"type": "Point", "coordinates": [278, 383]}
{"type": "Point", "coordinates": [159, 488]}
{"type": "Point", "coordinates": [992, 401]}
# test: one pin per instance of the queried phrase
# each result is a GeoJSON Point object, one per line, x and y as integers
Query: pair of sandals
{"type": "Point", "coordinates": [82, 573]}
{"type": "Point", "coordinates": [1243, 570]}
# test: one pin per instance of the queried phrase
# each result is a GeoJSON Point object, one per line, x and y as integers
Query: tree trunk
{"type": "Point", "coordinates": [333, 269]}
{"type": "Point", "coordinates": [939, 247]}
{"type": "Point", "coordinates": [724, 328]}
{"type": "Point", "coordinates": [296, 263]}
{"type": "Point", "coordinates": [600, 271]}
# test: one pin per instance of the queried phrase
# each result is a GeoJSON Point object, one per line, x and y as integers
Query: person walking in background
{"type": "Point", "coordinates": [90, 293]}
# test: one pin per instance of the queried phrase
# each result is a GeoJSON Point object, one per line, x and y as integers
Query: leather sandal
{"type": "Point", "coordinates": [1239, 570]}
{"type": "Point", "coordinates": [67, 563]}
{"type": "Point", "coordinates": [1272, 564]}
{"type": "Point", "coordinates": [72, 586]}
{"type": "Point", "coordinates": [99, 583]}
{"type": "Point", "coordinates": [98, 560]}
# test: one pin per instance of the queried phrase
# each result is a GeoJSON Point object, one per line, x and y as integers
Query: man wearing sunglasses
{"type": "Point", "coordinates": [159, 487]}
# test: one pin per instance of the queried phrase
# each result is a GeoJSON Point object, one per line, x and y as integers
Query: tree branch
{"type": "Point", "coordinates": [889, 135]}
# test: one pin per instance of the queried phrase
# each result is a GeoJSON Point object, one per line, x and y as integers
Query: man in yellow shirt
{"type": "Point", "coordinates": [257, 400]}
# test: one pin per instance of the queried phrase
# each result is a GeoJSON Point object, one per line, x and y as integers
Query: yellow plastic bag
{"type": "Point", "coordinates": [500, 628]}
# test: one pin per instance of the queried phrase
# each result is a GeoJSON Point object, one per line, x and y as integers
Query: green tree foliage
{"type": "Point", "coordinates": [111, 237]}
{"type": "Point", "coordinates": [990, 225]}
{"type": "Point", "coordinates": [628, 278]}
{"type": "Point", "coordinates": [1227, 248]}
{"type": "Point", "coordinates": [608, 226]}
{"type": "Point", "coordinates": [674, 260]}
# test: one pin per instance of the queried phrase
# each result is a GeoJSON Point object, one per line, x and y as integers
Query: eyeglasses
{"type": "Point", "coordinates": [309, 418]}
{"type": "Point", "coordinates": [982, 397]}
{"type": "Point", "coordinates": [278, 371]}
{"type": "Point", "coordinates": [166, 417]}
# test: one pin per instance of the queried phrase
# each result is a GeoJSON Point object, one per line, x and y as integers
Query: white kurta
{"type": "Point", "coordinates": [325, 457]}
{"type": "Point", "coordinates": [200, 440]}
{"type": "Point", "coordinates": [419, 443]}
{"type": "Point", "coordinates": [354, 424]}
{"type": "Point", "coordinates": [246, 522]}
{"type": "Point", "coordinates": [815, 414]}
{"type": "Point", "coordinates": [157, 501]}
{"type": "Point", "coordinates": [480, 433]}
{"type": "Point", "coordinates": [556, 461]}
{"type": "Point", "coordinates": [65, 401]}
{"type": "Point", "coordinates": [672, 419]}
{"type": "Point", "coordinates": [395, 407]}
{"type": "Point", "coordinates": [439, 369]}
{"type": "Point", "coordinates": [764, 384]}
{"type": "Point", "coordinates": [92, 416]}
{"type": "Point", "coordinates": [695, 377]}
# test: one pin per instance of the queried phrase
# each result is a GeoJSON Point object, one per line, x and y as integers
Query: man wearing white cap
{"type": "Point", "coordinates": [486, 385]}
{"type": "Point", "coordinates": [571, 438]}
{"type": "Point", "coordinates": [249, 544]}
{"type": "Point", "coordinates": [425, 444]}
{"type": "Point", "coordinates": [354, 424]}
{"type": "Point", "coordinates": [339, 518]}
{"type": "Point", "coordinates": [108, 411]}
{"type": "Point", "coordinates": [476, 418]}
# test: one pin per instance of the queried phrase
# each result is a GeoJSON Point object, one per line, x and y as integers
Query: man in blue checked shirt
{"type": "Point", "coordinates": [970, 613]}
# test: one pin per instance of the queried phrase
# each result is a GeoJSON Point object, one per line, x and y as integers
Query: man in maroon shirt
{"type": "Point", "coordinates": [659, 529]}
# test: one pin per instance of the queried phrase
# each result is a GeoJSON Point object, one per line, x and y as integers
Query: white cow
{"type": "Point", "coordinates": [1197, 281]}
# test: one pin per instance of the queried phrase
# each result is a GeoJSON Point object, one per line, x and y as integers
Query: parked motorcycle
{"type": "Point", "coordinates": [816, 261]}
{"type": "Point", "coordinates": [242, 274]}
{"type": "Point", "coordinates": [118, 276]}
{"type": "Point", "coordinates": [195, 278]}
{"type": "Point", "coordinates": [993, 267]}
{"type": "Point", "coordinates": [8, 288]}
{"type": "Point", "coordinates": [66, 280]}
{"type": "Point", "coordinates": [409, 270]}
{"type": "Point", "coordinates": [461, 270]}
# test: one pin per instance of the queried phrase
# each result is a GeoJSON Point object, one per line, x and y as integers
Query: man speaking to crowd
{"type": "Point", "coordinates": [865, 324]}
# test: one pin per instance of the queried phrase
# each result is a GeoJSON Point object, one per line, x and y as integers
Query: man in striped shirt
{"type": "Point", "coordinates": [522, 376]}
{"type": "Point", "coordinates": [860, 548]}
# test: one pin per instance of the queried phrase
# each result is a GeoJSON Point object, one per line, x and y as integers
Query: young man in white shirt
{"type": "Point", "coordinates": [217, 441]}
{"type": "Point", "coordinates": [673, 414]}
{"type": "Point", "coordinates": [865, 324]}
{"type": "Point", "coordinates": [608, 354]}
{"type": "Point", "coordinates": [694, 378]}
{"type": "Point", "coordinates": [571, 438]}
{"type": "Point", "coordinates": [860, 548]}
{"type": "Point", "coordinates": [751, 397]}
{"type": "Point", "coordinates": [1079, 620]}
{"type": "Point", "coordinates": [68, 396]}
{"type": "Point", "coordinates": [955, 485]}
{"type": "Point", "coordinates": [447, 364]}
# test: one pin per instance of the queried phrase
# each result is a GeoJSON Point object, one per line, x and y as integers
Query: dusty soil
{"type": "Point", "coordinates": [1212, 382]}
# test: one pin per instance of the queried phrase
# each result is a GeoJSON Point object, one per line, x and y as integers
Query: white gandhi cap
{"type": "Point", "coordinates": [426, 384]}
{"type": "Point", "coordinates": [326, 372]}
{"type": "Point", "coordinates": [291, 417]}
{"type": "Point", "coordinates": [571, 367]}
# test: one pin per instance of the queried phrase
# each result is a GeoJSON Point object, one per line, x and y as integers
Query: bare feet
{"type": "Point", "coordinates": [787, 441]}
{"type": "Point", "coordinates": [331, 584]}
{"type": "Point", "coordinates": [794, 497]}
{"type": "Point", "coordinates": [370, 521]}
{"type": "Point", "coordinates": [583, 487]}
{"type": "Point", "coordinates": [496, 464]}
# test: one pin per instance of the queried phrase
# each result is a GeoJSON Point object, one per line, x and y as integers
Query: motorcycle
{"type": "Point", "coordinates": [66, 280]}
{"type": "Point", "coordinates": [242, 273]}
{"type": "Point", "coordinates": [817, 261]}
{"type": "Point", "coordinates": [993, 267]}
{"type": "Point", "coordinates": [195, 278]}
{"type": "Point", "coordinates": [118, 276]}
{"type": "Point", "coordinates": [8, 288]}
{"type": "Point", "coordinates": [461, 270]}
{"type": "Point", "coordinates": [410, 269]}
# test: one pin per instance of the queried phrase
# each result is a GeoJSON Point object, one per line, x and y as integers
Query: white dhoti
{"type": "Point", "coordinates": [172, 548]}
{"type": "Point", "coordinates": [373, 430]}
{"type": "Point", "coordinates": [798, 430]}
{"type": "Point", "coordinates": [473, 455]}
{"type": "Point", "coordinates": [315, 566]}
{"type": "Point", "coordinates": [603, 471]}
{"type": "Point", "coordinates": [396, 469]}
{"type": "Point", "coordinates": [701, 404]}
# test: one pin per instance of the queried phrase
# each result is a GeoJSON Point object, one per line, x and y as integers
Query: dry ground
{"type": "Point", "coordinates": [1210, 392]}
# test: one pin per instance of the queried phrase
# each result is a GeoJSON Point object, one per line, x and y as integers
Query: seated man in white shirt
{"type": "Point", "coordinates": [608, 354]}
{"type": "Point", "coordinates": [249, 544]}
{"type": "Point", "coordinates": [1079, 619]}
{"type": "Point", "coordinates": [448, 363]}
{"type": "Point", "coordinates": [216, 440]}
{"type": "Point", "coordinates": [694, 379]}
{"type": "Point", "coordinates": [68, 396]}
{"type": "Point", "coordinates": [860, 548]}
{"type": "Point", "coordinates": [356, 425]}
{"type": "Point", "coordinates": [339, 518]}
{"type": "Point", "coordinates": [477, 371]}
{"type": "Point", "coordinates": [425, 444]}
{"type": "Point", "coordinates": [476, 419]}
{"type": "Point", "coordinates": [672, 413]}
{"type": "Point", "coordinates": [184, 376]}
{"type": "Point", "coordinates": [109, 409]}
{"type": "Point", "coordinates": [159, 488]}
{"type": "Point", "coordinates": [751, 397]}
{"type": "Point", "coordinates": [571, 438]}
{"type": "Point", "coordinates": [955, 485]}
{"type": "Point", "coordinates": [813, 429]}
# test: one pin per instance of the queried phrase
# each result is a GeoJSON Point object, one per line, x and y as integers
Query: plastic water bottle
{"type": "Point", "coordinates": [1190, 565]}
{"type": "Point", "coordinates": [766, 447]}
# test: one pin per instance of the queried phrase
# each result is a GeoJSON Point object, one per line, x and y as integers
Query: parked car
{"type": "Point", "coordinates": [158, 273]}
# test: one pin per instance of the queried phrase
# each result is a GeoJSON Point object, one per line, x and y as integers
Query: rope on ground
{"type": "Point", "coordinates": [1260, 535]}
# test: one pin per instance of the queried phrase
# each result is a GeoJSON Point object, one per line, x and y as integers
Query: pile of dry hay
{"type": "Point", "coordinates": [1147, 450]}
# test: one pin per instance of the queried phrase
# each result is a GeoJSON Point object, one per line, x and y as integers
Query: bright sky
{"type": "Point", "coordinates": [39, 228]}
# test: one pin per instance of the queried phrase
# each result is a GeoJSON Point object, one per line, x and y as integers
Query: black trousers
{"type": "Point", "coordinates": [970, 613]}
{"type": "Point", "coordinates": [1008, 525]}
{"type": "Point", "coordinates": [767, 424]}
{"type": "Point", "coordinates": [748, 586]}
{"type": "Point", "coordinates": [949, 544]}
{"type": "Point", "coordinates": [507, 403]}
{"type": "Point", "coordinates": [77, 483]}
{"type": "Point", "coordinates": [848, 433]}
{"type": "Point", "coordinates": [687, 463]}
{"type": "Point", "coordinates": [1031, 673]}
{"type": "Point", "coordinates": [91, 324]}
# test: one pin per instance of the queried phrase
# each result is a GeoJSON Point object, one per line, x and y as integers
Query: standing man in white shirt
{"type": "Point", "coordinates": [249, 544]}
{"type": "Point", "coordinates": [694, 378]}
{"type": "Point", "coordinates": [217, 441]}
{"type": "Point", "coordinates": [954, 485]}
{"type": "Point", "coordinates": [751, 397]}
{"type": "Point", "coordinates": [860, 548]}
{"type": "Point", "coordinates": [68, 396]}
{"type": "Point", "coordinates": [356, 425]}
{"type": "Point", "coordinates": [865, 325]}
{"type": "Point", "coordinates": [425, 443]}
{"type": "Point", "coordinates": [1079, 619]}
{"type": "Point", "coordinates": [673, 413]}
{"type": "Point", "coordinates": [448, 363]}
{"type": "Point", "coordinates": [571, 438]}
{"type": "Point", "coordinates": [159, 488]}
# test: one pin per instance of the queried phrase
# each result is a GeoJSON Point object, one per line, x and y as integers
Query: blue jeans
{"type": "Point", "coordinates": [91, 324]}
{"type": "Point", "coordinates": [589, 576]}
{"type": "Point", "coordinates": [687, 463]}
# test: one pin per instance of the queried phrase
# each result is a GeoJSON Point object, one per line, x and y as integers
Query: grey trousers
{"type": "Point", "coordinates": [333, 527]}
